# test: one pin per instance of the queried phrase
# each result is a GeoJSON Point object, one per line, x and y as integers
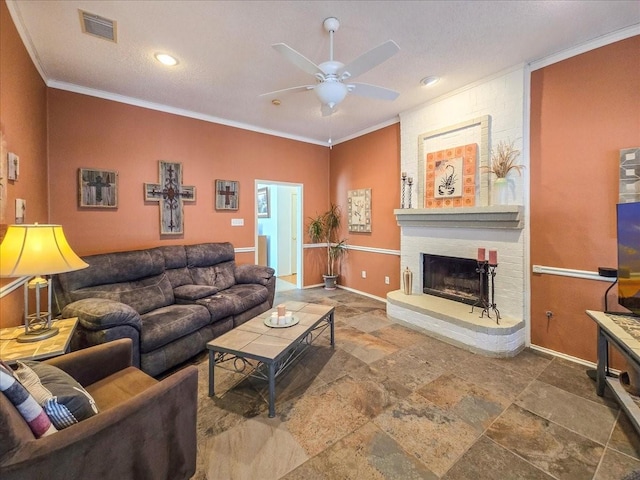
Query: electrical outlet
{"type": "Point", "coordinates": [364, 274]}
{"type": "Point", "coordinates": [386, 280]}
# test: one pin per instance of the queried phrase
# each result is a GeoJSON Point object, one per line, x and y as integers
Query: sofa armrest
{"type": "Point", "coordinates": [155, 431]}
{"type": "Point", "coordinates": [100, 314]}
{"type": "Point", "coordinates": [92, 364]}
{"type": "Point", "coordinates": [253, 274]}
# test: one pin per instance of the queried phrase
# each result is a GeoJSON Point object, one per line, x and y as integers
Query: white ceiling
{"type": "Point", "coordinates": [226, 59]}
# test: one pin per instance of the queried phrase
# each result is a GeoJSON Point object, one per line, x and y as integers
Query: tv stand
{"type": "Point", "coordinates": [626, 339]}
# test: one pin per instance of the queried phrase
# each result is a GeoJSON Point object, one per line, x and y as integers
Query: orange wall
{"type": "Point", "coordinates": [91, 132]}
{"type": "Point", "coordinates": [583, 111]}
{"type": "Point", "coordinates": [370, 161]}
{"type": "Point", "coordinates": [23, 125]}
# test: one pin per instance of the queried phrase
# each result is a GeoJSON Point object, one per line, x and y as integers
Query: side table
{"type": "Point", "coordinates": [11, 350]}
{"type": "Point", "coordinates": [624, 335]}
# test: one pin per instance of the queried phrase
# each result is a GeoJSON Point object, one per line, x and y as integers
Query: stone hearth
{"type": "Point", "coordinates": [453, 322]}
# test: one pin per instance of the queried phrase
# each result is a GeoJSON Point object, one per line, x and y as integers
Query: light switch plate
{"type": "Point", "coordinates": [237, 222]}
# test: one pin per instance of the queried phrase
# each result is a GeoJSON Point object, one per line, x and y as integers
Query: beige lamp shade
{"type": "Point", "coordinates": [37, 250]}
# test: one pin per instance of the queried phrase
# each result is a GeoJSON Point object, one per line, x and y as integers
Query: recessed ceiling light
{"type": "Point", "coordinates": [429, 81]}
{"type": "Point", "coordinates": [166, 59]}
{"type": "Point", "coordinates": [276, 102]}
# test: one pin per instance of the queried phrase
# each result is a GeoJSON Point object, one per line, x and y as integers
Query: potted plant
{"type": "Point", "coordinates": [324, 229]}
{"type": "Point", "coordinates": [502, 162]}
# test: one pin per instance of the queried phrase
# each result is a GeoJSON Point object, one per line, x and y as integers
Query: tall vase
{"type": "Point", "coordinates": [500, 192]}
{"type": "Point", "coordinates": [407, 281]}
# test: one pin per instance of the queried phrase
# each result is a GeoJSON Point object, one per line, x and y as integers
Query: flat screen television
{"type": "Point", "coordinates": [629, 256]}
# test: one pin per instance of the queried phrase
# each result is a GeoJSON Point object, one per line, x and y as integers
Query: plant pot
{"type": "Point", "coordinates": [500, 192]}
{"type": "Point", "coordinates": [330, 282]}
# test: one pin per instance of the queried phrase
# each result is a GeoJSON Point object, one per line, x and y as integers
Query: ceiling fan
{"type": "Point", "coordinates": [330, 86]}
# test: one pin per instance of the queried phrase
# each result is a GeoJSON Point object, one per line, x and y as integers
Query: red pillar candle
{"type": "Point", "coordinates": [493, 257]}
{"type": "Point", "coordinates": [481, 255]}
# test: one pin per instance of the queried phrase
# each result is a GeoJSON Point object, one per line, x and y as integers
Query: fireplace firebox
{"type": "Point", "coordinates": [452, 277]}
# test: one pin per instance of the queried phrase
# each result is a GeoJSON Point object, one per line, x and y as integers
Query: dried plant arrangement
{"type": "Point", "coordinates": [503, 158]}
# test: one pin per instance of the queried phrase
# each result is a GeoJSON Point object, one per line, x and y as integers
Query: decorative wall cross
{"type": "Point", "coordinates": [99, 184]}
{"type": "Point", "coordinates": [171, 195]}
{"type": "Point", "coordinates": [226, 195]}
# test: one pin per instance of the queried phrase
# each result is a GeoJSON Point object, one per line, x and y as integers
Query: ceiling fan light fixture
{"type": "Point", "coordinates": [166, 59]}
{"type": "Point", "coordinates": [429, 81]}
{"type": "Point", "coordinates": [331, 93]}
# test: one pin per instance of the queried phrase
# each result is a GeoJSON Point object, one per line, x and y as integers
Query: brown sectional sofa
{"type": "Point", "coordinates": [170, 301]}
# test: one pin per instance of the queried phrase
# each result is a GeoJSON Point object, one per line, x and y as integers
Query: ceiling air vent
{"type": "Point", "coordinates": [98, 26]}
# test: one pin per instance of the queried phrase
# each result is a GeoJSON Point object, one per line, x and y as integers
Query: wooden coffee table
{"type": "Point", "coordinates": [257, 350]}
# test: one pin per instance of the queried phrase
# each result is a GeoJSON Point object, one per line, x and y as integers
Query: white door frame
{"type": "Point", "coordinates": [299, 236]}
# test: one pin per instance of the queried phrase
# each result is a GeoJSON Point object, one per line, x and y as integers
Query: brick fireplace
{"type": "Point", "coordinates": [458, 232]}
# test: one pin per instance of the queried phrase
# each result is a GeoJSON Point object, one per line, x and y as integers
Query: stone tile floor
{"type": "Point", "coordinates": [392, 403]}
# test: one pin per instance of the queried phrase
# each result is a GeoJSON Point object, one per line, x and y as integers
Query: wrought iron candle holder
{"type": "Point", "coordinates": [404, 183]}
{"type": "Point", "coordinates": [410, 182]}
{"type": "Point", "coordinates": [482, 298]}
{"type": "Point", "coordinates": [487, 304]}
{"type": "Point", "coordinates": [492, 305]}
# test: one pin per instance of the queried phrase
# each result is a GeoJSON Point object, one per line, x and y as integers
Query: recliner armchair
{"type": "Point", "coordinates": [145, 428]}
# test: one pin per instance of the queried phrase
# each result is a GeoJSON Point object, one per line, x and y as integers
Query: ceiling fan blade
{"type": "Point", "coordinates": [297, 58]}
{"type": "Point", "coordinates": [370, 59]}
{"type": "Point", "coordinates": [302, 88]}
{"type": "Point", "coordinates": [327, 110]}
{"type": "Point", "coordinates": [373, 91]}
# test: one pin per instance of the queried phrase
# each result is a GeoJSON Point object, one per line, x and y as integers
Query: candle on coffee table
{"type": "Point", "coordinates": [282, 308]}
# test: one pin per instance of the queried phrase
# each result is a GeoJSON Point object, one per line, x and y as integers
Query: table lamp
{"type": "Point", "coordinates": [36, 250]}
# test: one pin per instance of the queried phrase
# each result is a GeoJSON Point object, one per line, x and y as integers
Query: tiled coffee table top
{"type": "Point", "coordinates": [257, 339]}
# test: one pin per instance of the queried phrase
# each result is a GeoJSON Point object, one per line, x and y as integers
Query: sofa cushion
{"type": "Point", "coordinates": [207, 254]}
{"type": "Point", "coordinates": [179, 277]}
{"type": "Point", "coordinates": [193, 292]}
{"type": "Point", "coordinates": [118, 267]}
{"type": "Point", "coordinates": [120, 387]}
{"type": "Point", "coordinates": [221, 276]}
{"type": "Point", "coordinates": [167, 324]}
{"type": "Point", "coordinates": [64, 400]}
{"type": "Point", "coordinates": [142, 295]}
{"type": "Point", "coordinates": [234, 300]}
{"type": "Point", "coordinates": [246, 296]}
{"type": "Point", "coordinates": [175, 263]}
{"type": "Point", "coordinates": [25, 404]}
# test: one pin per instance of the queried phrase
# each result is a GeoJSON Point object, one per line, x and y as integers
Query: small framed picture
{"type": "Point", "coordinates": [98, 188]}
{"type": "Point", "coordinates": [359, 214]}
{"type": "Point", "coordinates": [262, 199]}
{"type": "Point", "coordinates": [13, 166]}
{"type": "Point", "coordinates": [226, 195]}
{"type": "Point", "coordinates": [21, 210]}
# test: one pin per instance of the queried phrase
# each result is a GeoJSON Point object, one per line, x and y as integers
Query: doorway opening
{"type": "Point", "coordinates": [279, 231]}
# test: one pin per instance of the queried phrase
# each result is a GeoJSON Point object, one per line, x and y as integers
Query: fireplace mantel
{"type": "Point", "coordinates": [494, 216]}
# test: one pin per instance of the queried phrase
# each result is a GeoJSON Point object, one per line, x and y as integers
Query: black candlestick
{"type": "Point", "coordinates": [492, 305]}
{"type": "Point", "coordinates": [482, 299]}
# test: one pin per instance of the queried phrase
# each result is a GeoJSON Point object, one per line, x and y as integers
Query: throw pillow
{"type": "Point", "coordinates": [63, 399]}
{"type": "Point", "coordinates": [30, 410]}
